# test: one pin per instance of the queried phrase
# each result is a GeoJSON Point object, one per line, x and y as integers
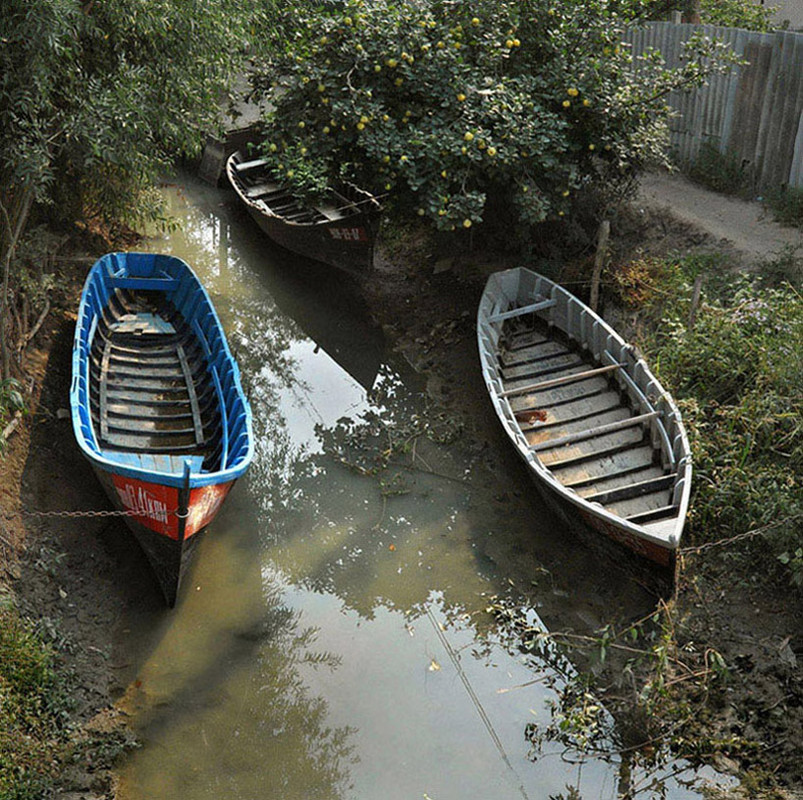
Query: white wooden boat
{"type": "Point", "coordinates": [601, 436]}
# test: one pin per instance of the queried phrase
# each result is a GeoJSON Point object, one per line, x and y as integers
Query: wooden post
{"type": "Point", "coordinates": [695, 300]}
{"type": "Point", "coordinates": [599, 261]}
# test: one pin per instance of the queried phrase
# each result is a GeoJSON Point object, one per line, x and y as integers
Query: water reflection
{"type": "Point", "coordinates": [215, 700]}
{"type": "Point", "coordinates": [333, 639]}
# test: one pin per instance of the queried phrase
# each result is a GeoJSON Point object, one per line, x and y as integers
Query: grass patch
{"type": "Point", "coordinates": [722, 172]}
{"type": "Point", "coordinates": [737, 375]}
{"type": "Point", "coordinates": [39, 741]}
{"type": "Point", "coordinates": [786, 205]}
{"type": "Point", "coordinates": [34, 739]}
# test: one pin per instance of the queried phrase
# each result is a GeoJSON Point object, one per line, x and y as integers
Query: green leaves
{"type": "Point", "coordinates": [103, 96]}
{"type": "Point", "coordinates": [455, 110]}
{"type": "Point", "coordinates": [737, 376]}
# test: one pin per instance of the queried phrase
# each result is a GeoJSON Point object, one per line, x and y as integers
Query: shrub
{"type": "Point", "coordinates": [786, 204]}
{"type": "Point", "coordinates": [722, 172]}
{"type": "Point", "coordinates": [737, 376]}
{"type": "Point", "coordinates": [466, 112]}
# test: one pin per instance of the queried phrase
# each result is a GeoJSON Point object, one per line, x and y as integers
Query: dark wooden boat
{"type": "Point", "coordinates": [601, 436]}
{"type": "Point", "coordinates": [157, 405]}
{"type": "Point", "coordinates": [340, 232]}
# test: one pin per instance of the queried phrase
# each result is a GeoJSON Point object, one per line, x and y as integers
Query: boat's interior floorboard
{"type": "Point", "coordinates": [605, 466]}
{"type": "Point", "coordinates": [622, 480]}
{"type": "Point", "coordinates": [586, 408]}
{"type": "Point", "coordinates": [152, 392]}
{"type": "Point", "coordinates": [540, 436]}
{"type": "Point", "coordinates": [592, 448]}
{"type": "Point", "coordinates": [520, 340]}
{"type": "Point", "coordinates": [546, 367]}
{"type": "Point", "coordinates": [535, 352]}
{"type": "Point", "coordinates": [640, 487]}
{"type": "Point", "coordinates": [533, 381]}
{"type": "Point", "coordinates": [560, 394]}
{"type": "Point", "coordinates": [639, 505]}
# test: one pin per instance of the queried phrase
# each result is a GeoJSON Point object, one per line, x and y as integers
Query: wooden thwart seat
{"type": "Point", "coordinates": [549, 384]}
{"type": "Point", "coordinates": [598, 430]}
{"type": "Point", "coordinates": [522, 310]}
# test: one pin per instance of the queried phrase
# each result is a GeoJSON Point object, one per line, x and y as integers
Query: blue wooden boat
{"type": "Point", "coordinates": [157, 404]}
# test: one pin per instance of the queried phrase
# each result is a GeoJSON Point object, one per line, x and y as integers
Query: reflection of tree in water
{"type": "Point", "coordinates": [244, 723]}
{"type": "Point", "coordinates": [580, 727]}
{"type": "Point", "coordinates": [343, 530]}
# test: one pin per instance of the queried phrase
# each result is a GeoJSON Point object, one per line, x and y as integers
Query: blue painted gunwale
{"type": "Point", "coordinates": [179, 283]}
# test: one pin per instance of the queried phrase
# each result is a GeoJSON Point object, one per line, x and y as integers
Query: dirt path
{"type": "Point", "coordinates": [743, 228]}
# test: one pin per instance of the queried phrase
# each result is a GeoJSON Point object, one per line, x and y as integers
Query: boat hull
{"type": "Point", "coordinates": [340, 233]}
{"type": "Point", "coordinates": [600, 436]}
{"type": "Point", "coordinates": [166, 521]}
{"type": "Point", "coordinates": [157, 404]}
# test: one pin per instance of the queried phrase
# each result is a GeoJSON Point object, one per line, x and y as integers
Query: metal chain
{"type": "Point", "coordinates": [127, 513]}
{"type": "Point", "coordinates": [741, 536]}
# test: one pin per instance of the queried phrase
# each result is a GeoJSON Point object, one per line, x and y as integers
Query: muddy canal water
{"type": "Point", "coordinates": [332, 639]}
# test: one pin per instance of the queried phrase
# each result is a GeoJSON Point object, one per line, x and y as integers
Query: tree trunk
{"type": "Point", "coordinates": [14, 208]}
{"type": "Point", "coordinates": [692, 11]}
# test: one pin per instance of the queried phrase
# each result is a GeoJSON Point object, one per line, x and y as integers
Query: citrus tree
{"type": "Point", "coordinates": [463, 112]}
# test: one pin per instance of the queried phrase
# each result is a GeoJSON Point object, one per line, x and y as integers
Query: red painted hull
{"type": "Point", "coordinates": [166, 521]}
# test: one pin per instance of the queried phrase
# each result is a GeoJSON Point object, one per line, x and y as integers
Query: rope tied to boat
{"type": "Point", "coordinates": [740, 537]}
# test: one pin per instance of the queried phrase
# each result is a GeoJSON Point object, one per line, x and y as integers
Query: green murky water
{"type": "Point", "coordinates": [332, 640]}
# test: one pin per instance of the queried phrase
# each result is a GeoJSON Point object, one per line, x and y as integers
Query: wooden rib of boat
{"type": "Point", "coordinates": [340, 232]}
{"type": "Point", "coordinates": [600, 435]}
{"type": "Point", "coordinates": [157, 404]}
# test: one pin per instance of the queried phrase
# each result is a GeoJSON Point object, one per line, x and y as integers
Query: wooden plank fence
{"type": "Point", "coordinates": [753, 113]}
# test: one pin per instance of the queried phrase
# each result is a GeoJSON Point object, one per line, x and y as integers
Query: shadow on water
{"type": "Point", "coordinates": [333, 638]}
